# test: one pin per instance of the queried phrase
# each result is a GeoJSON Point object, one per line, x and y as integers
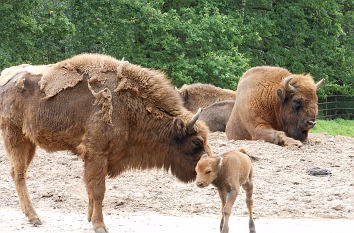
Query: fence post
{"type": "Point", "coordinates": [335, 106]}
{"type": "Point", "coordinates": [326, 109]}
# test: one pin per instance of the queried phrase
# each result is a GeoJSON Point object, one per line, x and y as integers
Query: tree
{"type": "Point", "coordinates": [34, 32]}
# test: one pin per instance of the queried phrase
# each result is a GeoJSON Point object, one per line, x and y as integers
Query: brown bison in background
{"type": "Point", "coordinates": [217, 115]}
{"type": "Point", "coordinates": [200, 95]}
{"type": "Point", "coordinates": [113, 114]}
{"type": "Point", "coordinates": [274, 105]}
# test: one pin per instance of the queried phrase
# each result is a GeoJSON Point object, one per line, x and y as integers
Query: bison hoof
{"type": "Point", "coordinates": [293, 143]}
{"type": "Point", "coordinates": [36, 222]}
{"type": "Point", "coordinates": [101, 230]}
{"type": "Point", "coordinates": [225, 229]}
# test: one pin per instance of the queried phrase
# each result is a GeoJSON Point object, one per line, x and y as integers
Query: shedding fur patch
{"type": "Point", "coordinates": [70, 72]}
{"type": "Point", "coordinates": [59, 78]}
{"type": "Point", "coordinates": [20, 83]}
{"type": "Point", "coordinates": [103, 98]}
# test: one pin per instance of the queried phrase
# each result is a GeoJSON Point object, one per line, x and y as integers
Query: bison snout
{"type": "Point", "coordinates": [311, 123]}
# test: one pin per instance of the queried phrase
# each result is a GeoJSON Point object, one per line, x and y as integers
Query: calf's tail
{"type": "Point", "coordinates": [253, 158]}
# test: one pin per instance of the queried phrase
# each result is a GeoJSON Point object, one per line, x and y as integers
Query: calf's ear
{"type": "Point", "coordinates": [281, 94]}
{"type": "Point", "coordinates": [180, 129]}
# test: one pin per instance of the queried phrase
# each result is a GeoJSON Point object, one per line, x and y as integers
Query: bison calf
{"type": "Point", "coordinates": [228, 173]}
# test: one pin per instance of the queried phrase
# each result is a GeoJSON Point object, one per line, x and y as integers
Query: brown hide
{"type": "Point", "coordinates": [200, 95]}
{"type": "Point", "coordinates": [113, 114]}
{"type": "Point", "coordinates": [217, 115]}
{"type": "Point", "coordinates": [264, 109]}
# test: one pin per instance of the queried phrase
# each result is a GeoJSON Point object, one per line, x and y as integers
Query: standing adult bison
{"type": "Point", "coordinates": [113, 114]}
{"type": "Point", "coordinates": [274, 105]}
{"type": "Point", "coordinates": [200, 95]}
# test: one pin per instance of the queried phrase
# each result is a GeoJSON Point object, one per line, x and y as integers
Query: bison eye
{"type": "Point", "coordinates": [296, 104]}
{"type": "Point", "coordinates": [198, 142]}
{"type": "Point", "coordinates": [207, 172]}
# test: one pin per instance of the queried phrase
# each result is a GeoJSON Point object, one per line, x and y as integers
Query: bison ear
{"type": "Point", "coordinates": [281, 94]}
{"type": "Point", "coordinates": [184, 95]}
{"type": "Point", "coordinates": [180, 129]}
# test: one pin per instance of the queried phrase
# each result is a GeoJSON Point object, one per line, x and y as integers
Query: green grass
{"type": "Point", "coordinates": [335, 127]}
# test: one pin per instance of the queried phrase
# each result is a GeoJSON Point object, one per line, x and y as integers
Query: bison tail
{"type": "Point", "coordinates": [253, 158]}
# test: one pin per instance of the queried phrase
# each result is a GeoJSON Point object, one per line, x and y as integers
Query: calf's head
{"type": "Point", "coordinates": [298, 108]}
{"type": "Point", "coordinates": [207, 170]}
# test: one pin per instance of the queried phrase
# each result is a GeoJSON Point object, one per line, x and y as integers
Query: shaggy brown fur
{"type": "Point", "coordinates": [266, 109]}
{"type": "Point", "coordinates": [228, 172]}
{"type": "Point", "coordinates": [113, 114]}
{"type": "Point", "coordinates": [200, 95]}
{"type": "Point", "coordinates": [216, 115]}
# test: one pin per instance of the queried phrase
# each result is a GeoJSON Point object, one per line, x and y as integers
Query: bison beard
{"type": "Point", "coordinates": [294, 129]}
{"type": "Point", "coordinates": [113, 114]}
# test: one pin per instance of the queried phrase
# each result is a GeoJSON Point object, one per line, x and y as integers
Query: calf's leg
{"type": "Point", "coordinates": [94, 176]}
{"type": "Point", "coordinates": [223, 200]}
{"type": "Point", "coordinates": [230, 198]}
{"type": "Point", "coordinates": [21, 152]}
{"type": "Point", "coordinates": [248, 187]}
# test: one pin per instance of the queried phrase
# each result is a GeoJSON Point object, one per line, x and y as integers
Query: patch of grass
{"type": "Point", "coordinates": [335, 127]}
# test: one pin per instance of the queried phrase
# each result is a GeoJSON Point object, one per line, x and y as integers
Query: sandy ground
{"type": "Point", "coordinates": [55, 221]}
{"type": "Point", "coordinates": [152, 201]}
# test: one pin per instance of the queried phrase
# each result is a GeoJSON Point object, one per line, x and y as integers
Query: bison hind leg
{"type": "Point", "coordinates": [20, 151]}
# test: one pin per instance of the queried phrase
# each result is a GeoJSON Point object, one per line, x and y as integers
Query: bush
{"type": "Point", "coordinates": [192, 41]}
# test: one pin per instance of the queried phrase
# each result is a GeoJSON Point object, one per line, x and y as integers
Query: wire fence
{"type": "Point", "coordinates": [336, 106]}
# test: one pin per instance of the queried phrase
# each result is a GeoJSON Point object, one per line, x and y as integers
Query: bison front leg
{"type": "Point", "coordinates": [94, 177]}
{"type": "Point", "coordinates": [268, 134]}
{"type": "Point", "coordinates": [21, 152]}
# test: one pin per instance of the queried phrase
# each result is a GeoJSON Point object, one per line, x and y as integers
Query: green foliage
{"type": "Point", "coordinates": [190, 44]}
{"type": "Point", "coordinates": [335, 127]}
{"type": "Point", "coordinates": [33, 32]}
{"type": "Point", "coordinates": [192, 41]}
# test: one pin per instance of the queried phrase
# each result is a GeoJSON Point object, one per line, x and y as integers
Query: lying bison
{"type": "Point", "coordinates": [113, 114]}
{"type": "Point", "coordinates": [217, 115]}
{"type": "Point", "coordinates": [200, 95]}
{"type": "Point", "coordinates": [274, 105]}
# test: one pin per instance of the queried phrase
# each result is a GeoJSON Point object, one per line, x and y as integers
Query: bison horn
{"type": "Point", "coordinates": [287, 85]}
{"type": "Point", "coordinates": [320, 84]}
{"type": "Point", "coordinates": [176, 89]}
{"type": "Point", "coordinates": [193, 120]}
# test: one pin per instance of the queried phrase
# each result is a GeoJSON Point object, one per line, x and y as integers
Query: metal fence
{"type": "Point", "coordinates": [336, 106]}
